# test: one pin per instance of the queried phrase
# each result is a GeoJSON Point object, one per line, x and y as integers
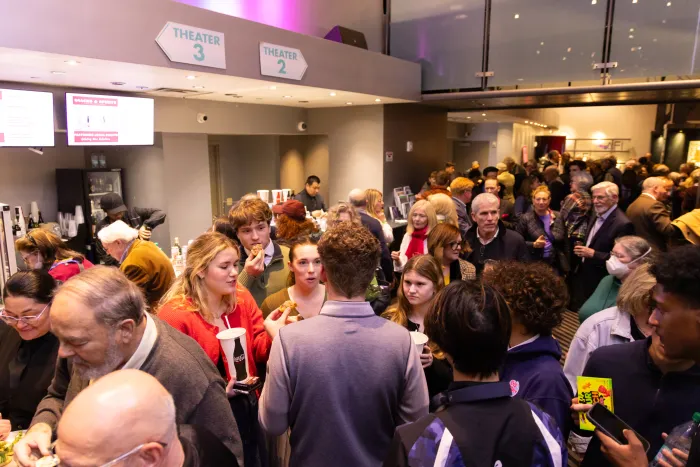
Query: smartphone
{"type": "Point", "coordinates": [612, 425]}
{"type": "Point", "coordinates": [248, 385]}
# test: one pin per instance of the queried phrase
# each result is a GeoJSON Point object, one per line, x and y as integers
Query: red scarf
{"type": "Point", "coordinates": [417, 244]}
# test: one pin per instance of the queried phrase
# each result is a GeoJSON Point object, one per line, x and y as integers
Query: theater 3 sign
{"type": "Point", "coordinates": [187, 44]}
{"type": "Point", "coordinates": [281, 62]}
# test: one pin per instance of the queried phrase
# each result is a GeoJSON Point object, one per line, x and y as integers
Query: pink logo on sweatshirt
{"type": "Point", "coordinates": [514, 387]}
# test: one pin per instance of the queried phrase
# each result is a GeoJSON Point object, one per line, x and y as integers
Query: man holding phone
{"type": "Point", "coordinates": [676, 318]}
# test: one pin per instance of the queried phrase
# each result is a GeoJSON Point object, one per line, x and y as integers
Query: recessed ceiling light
{"type": "Point", "coordinates": [563, 58]}
{"type": "Point", "coordinates": [526, 121]}
{"type": "Point", "coordinates": [521, 79]}
{"type": "Point", "coordinates": [634, 1]}
{"type": "Point", "coordinates": [654, 40]}
{"type": "Point", "coordinates": [198, 87]}
{"type": "Point", "coordinates": [483, 115]}
{"type": "Point", "coordinates": [545, 126]}
{"type": "Point", "coordinates": [455, 7]}
{"type": "Point", "coordinates": [516, 16]}
{"type": "Point", "coordinates": [377, 100]}
{"type": "Point", "coordinates": [468, 117]}
{"type": "Point", "coordinates": [631, 36]}
{"type": "Point", "coordinates": [72, 62]}
{"type": "Point", "coordinates": [190, 77]}
{"type": "Point", "coordinates": [594, 2]}
{"type": "Point", "coordinates": [272, 88]}
{"type": "Point", "coordinates": [663, 21]}
{"type": "Point", "coordinates": [118, 83]}
{"type": "Point", "coordinates": [287, 97]}
{"type": "Point", "coordinates": [541, 43]}
{"type": "Point", "coordinates": [668, 4]}
{"type": "Point", "coordinates": [569, 49]}
{"type": "Point", "coordinates": [631, 29]}
{"type": "Point", "coordinates": [348, 103]}
{"type": "Point", "coordinates": [141, 87]}
{"type": "Point", "coordinates": [538, 52]}
{"type": "Point", "coordinates": [332, 94]}
{"type": "Point", "coordinates": [58, 72]}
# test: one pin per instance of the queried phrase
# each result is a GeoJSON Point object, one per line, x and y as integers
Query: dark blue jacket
{"type": "Point", "coordinates": [648, 400]}
{"type": "Point", "coordinates": [534, 370]}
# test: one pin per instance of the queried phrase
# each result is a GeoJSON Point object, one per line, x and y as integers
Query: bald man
{"type": "Point", "coordinates": [649, 214]}
{"type": "Point", "coordinates": [136, 424]}
{"type": "Point", "coordinates": [358, 199]}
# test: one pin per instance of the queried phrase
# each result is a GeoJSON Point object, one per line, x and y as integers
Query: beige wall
{"type": "Point", "coordinates": [26, 176]}
{"type": "Point", "coordinates": [302, 156]}
{"type": "Point", "coordinates": [355, 147]}
{"type": "Point", "coordinates": [187, 186]}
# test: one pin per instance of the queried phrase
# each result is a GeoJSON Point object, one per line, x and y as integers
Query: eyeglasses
{"type": "Point", "coordinates": [454, 245]}
{"type": "Point", "coordinates": [57, 462]}
{"type": "Point", "coordinates": [26, 258]}
{"type": "Point", "coordinates": [30, 320]}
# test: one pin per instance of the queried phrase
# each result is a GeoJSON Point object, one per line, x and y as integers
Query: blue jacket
{"type": "Point", "coordinates": [534, 371]}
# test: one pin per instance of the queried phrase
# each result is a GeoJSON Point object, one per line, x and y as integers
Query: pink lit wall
{"type": "Point", "coordinates": [310, 17]}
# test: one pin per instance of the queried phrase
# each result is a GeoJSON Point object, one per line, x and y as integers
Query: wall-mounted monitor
{"type": "Point", "coordinates": [26, 119]}
{"type": "Point", "coordinates": [94, 120]}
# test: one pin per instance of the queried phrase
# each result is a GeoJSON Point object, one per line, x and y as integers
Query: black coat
{"type": "Point", "coordinates": [592, 270]}
{"type": "Point", "coordinates": [508, 245]}
{"type": "Point", "coordinates": [559, 191]}
{"type": "Point", "coordinates": [375, 227]}
{"type": "Point", "coordinates": [531, 227]}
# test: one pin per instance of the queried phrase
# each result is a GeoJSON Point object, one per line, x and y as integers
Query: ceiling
{"type": "Point", "coordinates": [57, 70]}
{"type": "Point", "coordinates": [489, 116]}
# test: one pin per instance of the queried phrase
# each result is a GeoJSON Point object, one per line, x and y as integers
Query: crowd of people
{"type": "Point", "coordinates": [123, 364]}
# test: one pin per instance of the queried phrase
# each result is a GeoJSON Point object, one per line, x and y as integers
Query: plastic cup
{"type": "Point", "coordinates": [277, 197]}
{"type": "Point", "coordinates": [419, 339]}
{"type": "Point", "coordinates": [229, 339]}
{"type": "Point", "coordinates": [264, 195]}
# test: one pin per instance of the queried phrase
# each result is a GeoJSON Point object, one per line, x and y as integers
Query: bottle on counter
{"type": "Point", "coordinates": [41, 219]}
{"type": "Point", "coordinates": [176, 243]}
{"type": "Point", "coordinates": [681, 437]}
{"type": "Point", "coordinates": [31, 225]}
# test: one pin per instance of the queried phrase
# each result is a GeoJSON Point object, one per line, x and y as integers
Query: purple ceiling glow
{"type": "Point", "coordinates": [279, 13]}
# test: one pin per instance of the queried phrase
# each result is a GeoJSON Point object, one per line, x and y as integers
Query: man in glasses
{"type": "Point", "coordinates": [136, 426]}
{"type": "Point", "coordinates": [100, 320]}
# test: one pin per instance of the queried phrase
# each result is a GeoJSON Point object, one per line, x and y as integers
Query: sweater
{"type": "Point", "coordinates": [147, 266]}
{"type": "Point", "coordinates": [180, 365]}
{"type": "Point", "coordinates": [245, 314]}
{"type": "Point", "coordinates": [533, 369]}
{"type": "Point", "coordinates": [273, 279]}
{"type": "Point", "coordinates": [64, 270]}
{"type": "Point", "coordinates": [604, 297]}
{"type": "Point", "coordinates": [344, 381]}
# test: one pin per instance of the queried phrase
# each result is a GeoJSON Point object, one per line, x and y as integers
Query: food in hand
{"type": "Point", "coordinates": [6, 448]}
{"type": "Point", "coordinates": [289, 304]}
{"type": "Point", "coordinates": [255, 251]}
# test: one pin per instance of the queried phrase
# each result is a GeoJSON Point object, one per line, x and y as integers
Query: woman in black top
{"type": "Point", "coordinates": [28, 351]}
{"type": "Point", "coordinates": [422, 279]}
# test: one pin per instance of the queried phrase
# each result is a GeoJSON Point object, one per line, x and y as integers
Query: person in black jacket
{"type": "Point", "coordinates": [28, 350]}
{"type": "Point", "coordinates": [556, 186]}
{"type": "Point", "coordinates": [358, 199]}
{"type": "Point", "coordinates": [489, 239]}
{"type": "Point", "coordinates": [143, 219]}
{"type": "Point", "coordinates": [607, 223]}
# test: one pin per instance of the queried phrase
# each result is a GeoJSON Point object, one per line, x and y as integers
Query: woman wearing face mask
{"type": "Point", "coordinates": [305, 288]}
{"type": "Point", "coordinates": [422, 279]}
{"type": "Point", "coordinates": [421, 220]}
{"type": "Point", "coordinates": [41, 249]}
{"type": "Point", "coordinates": [543, 242]}
{"type": "Point", "coordinates": [445, 244]}
{"type": "Point", "coordinates": [28, 350]}
{"type": "Point", "coordinates": [207, 299]}
{"type": "Point", "coordinates": [629, 253]}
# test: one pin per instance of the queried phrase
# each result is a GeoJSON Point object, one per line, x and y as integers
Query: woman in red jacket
{"type": "Point", "coordinates": [207, 299]}
{"type": "Point", "coordinates": [42, 249]}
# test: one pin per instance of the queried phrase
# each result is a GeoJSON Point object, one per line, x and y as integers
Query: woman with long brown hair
{"type": "Point", "coordinates": [445, 244]}
{"type": "Point", "coordinates": [421, 281]}
{"type": "Point", "coordinates": [207, 299]}
{"type": "Point", "coordinates": [42, 249]}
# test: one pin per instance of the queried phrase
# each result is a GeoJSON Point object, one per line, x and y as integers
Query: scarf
{"type": "Point", "coordinates": [417, 244]}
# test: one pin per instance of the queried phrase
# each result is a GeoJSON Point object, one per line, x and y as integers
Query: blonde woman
{"type": "Point", "coordinates": [445, 209]}
{"type": "Point", "coordinates": [421, 220]}
{"type": "Point", "coordinates": [375, 208]}
{"type": "Point", "coordinates": [342, 212]}
{"type": "Point", "coordinates": [421, 281]}
{"type": "Point", "coordinates": [207, 299]}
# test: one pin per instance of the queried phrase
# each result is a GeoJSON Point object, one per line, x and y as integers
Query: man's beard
{"type": "Point", "coordinates": [113, 359]}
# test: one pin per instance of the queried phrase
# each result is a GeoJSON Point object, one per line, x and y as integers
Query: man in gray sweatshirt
{"type": "Point", "coordinates": [347, 378]}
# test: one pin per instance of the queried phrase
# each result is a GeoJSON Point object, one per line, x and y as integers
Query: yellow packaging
{"type": "Point", "coordinates": [594, 391]}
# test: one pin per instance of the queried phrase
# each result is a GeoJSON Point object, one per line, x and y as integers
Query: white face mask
{"type": "Point", "coordinates": [619, 269]}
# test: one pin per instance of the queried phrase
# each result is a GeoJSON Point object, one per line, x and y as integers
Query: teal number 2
{"type": "Point", "coordinates": [199, 56]}
{"type": "Point", "coordinates": [281, 62]}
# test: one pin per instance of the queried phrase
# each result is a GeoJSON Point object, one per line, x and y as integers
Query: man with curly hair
{"type": "Point", "coordinates": [537, 299]}
{"type": "Point", "coordinates": [347, 378]}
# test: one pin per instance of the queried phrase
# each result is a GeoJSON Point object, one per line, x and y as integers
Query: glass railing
{"type": "Point", "coordinates": [504, 44]}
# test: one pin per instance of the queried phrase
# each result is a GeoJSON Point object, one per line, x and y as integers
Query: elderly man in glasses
{"type": "Point", "coordinates": [136, 426]}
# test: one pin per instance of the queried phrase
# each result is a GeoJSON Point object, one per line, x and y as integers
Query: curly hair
{"type": "Point", "coordinates": [288, 229]}
{"type": "Point", "coordinates": [334, 213]}
{"type": "Point", "coordinates": [445, 208]}
{"type": "Point", "coordinates": [536, 295]}
{"type": "Point", "coordinates": [678, 272]}
{"type": "Point", "coordinates": [350, 255]}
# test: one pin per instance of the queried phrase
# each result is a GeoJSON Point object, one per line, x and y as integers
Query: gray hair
{"type": "Point", "coordinates": [635, 246]}
{"type": "Point", "coordinates": [484, 199]}
{"type": "Point", "coordinates": [357, 198]}
{"type": "Point", "coordinates": [117, 230]}
{"type": "Point", "coordinates": [652, 182]}
{"type": "Point", "coordinates": [584, 180]}
{"type": "Point", "coordinates": [610, 189]}
{"type": "Point", "coordinates": [108, 293]}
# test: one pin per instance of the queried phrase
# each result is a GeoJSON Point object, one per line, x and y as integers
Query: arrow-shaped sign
{"type": "Point", "coordinates": [282, 62]}
{"type": "Point", "coordinates": [187, 44]}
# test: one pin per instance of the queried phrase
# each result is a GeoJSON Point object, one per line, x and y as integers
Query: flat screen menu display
{"type": "Point", "coordinates": [26, 118]}
{"type": "Point", "coordinates": [94, 120]}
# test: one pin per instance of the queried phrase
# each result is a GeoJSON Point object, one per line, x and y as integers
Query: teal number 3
{"type": "Point", "coordinates": [281, 62]}
{"type": "Point", "coordinates": [199, 56]}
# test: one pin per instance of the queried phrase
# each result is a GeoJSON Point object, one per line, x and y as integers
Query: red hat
{"type": "Point", "coordinates": [292, 208]}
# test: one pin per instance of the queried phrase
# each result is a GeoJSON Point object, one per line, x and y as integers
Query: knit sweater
{"type": "Point", "coordinates": [147, 266]}
{"type": "Point", "coordinates": [182, 367]}
{"type": "Point", "coordinates": [273, 279]}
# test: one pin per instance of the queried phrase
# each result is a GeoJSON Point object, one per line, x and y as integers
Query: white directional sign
{"type": "Point", "coordinates": [186, 44]}
{"type": "Point", "coordinates": [281, 62]}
